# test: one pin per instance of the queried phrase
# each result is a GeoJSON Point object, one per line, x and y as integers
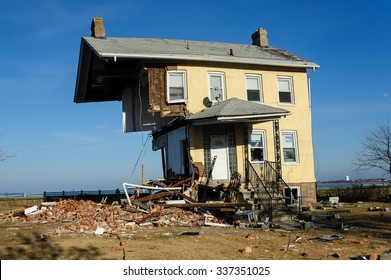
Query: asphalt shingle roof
{"type": "Point", "coordinates": [235, 107]}
{"type": "Point", "coordinates": [193, 50]}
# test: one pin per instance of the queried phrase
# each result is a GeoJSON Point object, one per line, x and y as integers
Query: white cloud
{"type": "Point", "coordinates": [77, 137]}
{"type": "Point", "coordinates": [99, 126]}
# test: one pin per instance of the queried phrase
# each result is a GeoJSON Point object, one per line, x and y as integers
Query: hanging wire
{"type": "Point", "coordinates": [143, 143]}
{"type": "Point", "coordinates": [140, 157]}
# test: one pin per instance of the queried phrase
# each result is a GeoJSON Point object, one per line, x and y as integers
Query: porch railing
{"type": "Point", "coordinates": [258, 184]}
{"type": "Point", "coordinates": [272, 183]}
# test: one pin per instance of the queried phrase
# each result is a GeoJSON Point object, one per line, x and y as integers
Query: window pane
{"type": "Point", "coordinates": [284, 85]}
{"type": "Point", "coordinates": [285, 97]}
{"type": "Point", "coordinates": [256, 143]}
{"type": "Point", "coordinates": [288, 140]}
{"type": "Point", "coordinates": [252, 83]}
{"type": "Point", "coordinates": [253, 95]}
{"type": "Point", "coordinates": [256, 154]}
{"type": "Point", "coordinates": [253, 88]}
{"type": "Point", "coordinates": [284, 90]}
{"type": "Point", "coordinates": [256, 140]}
{"type": "Point", "coordinates": [215, 81]}
{"type": "Point", "coordinates": [176, 80]}
{"type": "Point", "coordinates": [176, 86]}
{"type": "Point", "coordinates": [216, 87]}
{"type": "Point", "coordinates": [176, 93]}
{"type": "Point", "coordinates": [216, 93]}
{"type": "Point", "coordinates": [289, 147]}
{"type": "Point", "coordinates": [289, 155]}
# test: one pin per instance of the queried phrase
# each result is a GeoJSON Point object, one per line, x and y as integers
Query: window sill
{"type": "Point", "coordinates": [291, 163]}
{"type": "Point", "coordinates": [177, 102]}
{"type": "Point", "coordinates": [286, 104]}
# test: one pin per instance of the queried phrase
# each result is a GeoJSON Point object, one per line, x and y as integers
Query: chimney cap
{"type": "Point", "coordinates": [97, 28]}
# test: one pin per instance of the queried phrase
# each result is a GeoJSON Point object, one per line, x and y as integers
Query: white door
{"type": "Point", "coordinates": [218, 147]}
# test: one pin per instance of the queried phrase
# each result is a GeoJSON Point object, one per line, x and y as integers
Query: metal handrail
{"type": "Point", "coordinates": [254, 178]}
{"type": "Point", "coordinates": [281, 180]}
{"type": "Point", "coordinates": [268, 178]}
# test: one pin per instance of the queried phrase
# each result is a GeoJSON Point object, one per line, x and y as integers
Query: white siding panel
{"type": "Point", "coordinates": [175, 157]}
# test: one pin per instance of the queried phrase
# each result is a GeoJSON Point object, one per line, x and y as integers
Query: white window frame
{"type": "Point", "coordinates": [259, 78]}
{"type": "Point", "coordinates": [179, 100]}
{"type": "Point", "coordinates": [290, 79]}
{"type": "Point", "coordinates": [295, 146]}
{"type": "Point", "coordinates": [250, 147]}
{"type": "Point", "coordinates": [222, 76]}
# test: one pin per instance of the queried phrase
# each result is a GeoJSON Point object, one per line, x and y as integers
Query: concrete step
{"type": "Point", "coordinates": [281, 216]}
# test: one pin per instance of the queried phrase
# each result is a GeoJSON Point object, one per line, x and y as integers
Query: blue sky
{"type": "Point", "coordinates": [60, 145]}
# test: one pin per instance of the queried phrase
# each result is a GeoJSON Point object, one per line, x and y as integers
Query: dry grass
{"type": "Point", "coordinates": [366, 233]}
{"type": "Point", "coordinates": [7, 204]}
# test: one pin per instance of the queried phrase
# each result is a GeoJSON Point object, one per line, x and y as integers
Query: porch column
{"type": "Point", "coordinates": [246, 159]}
{"type": "Point", "coordinates": [277, 147]}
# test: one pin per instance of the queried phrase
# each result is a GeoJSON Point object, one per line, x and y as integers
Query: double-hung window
{"type": "Point", "coordinates": [216, 87]}
{"type": "Point", "coordinates": [285, 92]}
{"type": "Point", "coordinates": [257, 146]}
{"type": "Point", "coordinates": [176, 86]}
{"type": "Point", "coordinates": [253, 88]}
{"type": "Point", "coordinates": [289, 146]}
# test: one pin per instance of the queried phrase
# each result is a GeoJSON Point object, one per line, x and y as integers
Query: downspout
{"type": "Point", "coordinates": [312, 139]}
{"type": "Point", "coordinates": [309, 84]}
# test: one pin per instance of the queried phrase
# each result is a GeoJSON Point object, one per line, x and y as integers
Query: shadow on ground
{"type": "Point", "coordinates": [35, 246]}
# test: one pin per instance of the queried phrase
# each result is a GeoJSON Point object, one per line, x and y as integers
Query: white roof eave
{"type": "Point", "coordinates": [277, 115]}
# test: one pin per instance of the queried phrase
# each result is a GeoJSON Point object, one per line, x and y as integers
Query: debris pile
{"type": "Point", "coordinates": [172, 217]}
{"type": "Point", "coordinates": [82, 215]}
{"type": "Point", "coordinates": [378, 209]}
{"type": "Point", "coordinates": [87, 216]}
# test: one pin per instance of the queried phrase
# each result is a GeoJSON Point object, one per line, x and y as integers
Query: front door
{"type": "Point", "coordinates": [218, 148]}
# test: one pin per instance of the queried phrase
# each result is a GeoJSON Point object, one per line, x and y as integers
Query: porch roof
{"type": "Point", "coordinates": [236, 110]}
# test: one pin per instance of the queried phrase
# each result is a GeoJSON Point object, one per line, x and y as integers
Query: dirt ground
{"type": "Point", "coordinates": [364, 233]}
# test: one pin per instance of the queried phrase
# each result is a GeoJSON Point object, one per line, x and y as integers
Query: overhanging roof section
{"type": "Point", "coordinates": [108, 65]}
{"type": "Point", "coordinates": [170, 49]}
{"type": "Point", "coordinates": [236, 110]}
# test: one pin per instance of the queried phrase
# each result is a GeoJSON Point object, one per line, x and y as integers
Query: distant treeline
{"type": "Point", "coordinates": [357, 193]}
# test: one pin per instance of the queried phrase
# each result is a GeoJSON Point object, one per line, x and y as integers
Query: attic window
{"type": "Point", "coordinates": [176, 87]}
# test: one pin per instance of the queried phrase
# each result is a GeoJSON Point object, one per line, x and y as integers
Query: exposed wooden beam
{"type": "Point", "coordinates": [208, 205]}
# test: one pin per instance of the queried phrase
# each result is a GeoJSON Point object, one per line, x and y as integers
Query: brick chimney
{"type": "Point", "coordinates": [97, 28]}
{"type": "Point", "coordinates": [259, 38]}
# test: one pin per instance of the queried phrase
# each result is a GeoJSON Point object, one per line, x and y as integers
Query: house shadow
{"type": "Point", "coordinates": [379, 225]}
{"type": "Point", "coordinates": [35, 246]}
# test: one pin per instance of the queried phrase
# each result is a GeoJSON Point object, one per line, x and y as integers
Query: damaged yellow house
{"type": "Point", "coordinates": [220, 110]}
